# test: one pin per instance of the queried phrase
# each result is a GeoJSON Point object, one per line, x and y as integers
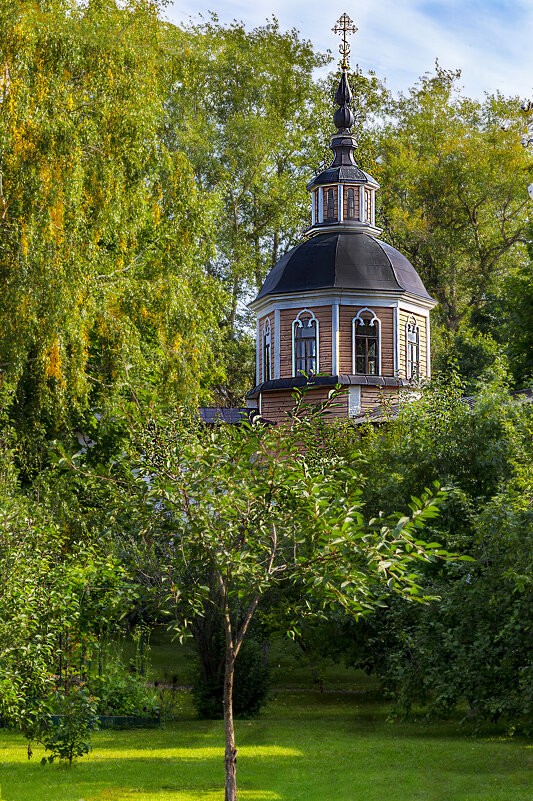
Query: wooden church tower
{"type": "Point", "coordinates": [342, 307]}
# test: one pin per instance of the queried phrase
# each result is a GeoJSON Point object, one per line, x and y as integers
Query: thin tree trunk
{"type": "Point", "coordinates": [230, 755]}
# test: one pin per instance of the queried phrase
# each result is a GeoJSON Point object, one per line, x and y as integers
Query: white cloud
{"type": "Point", "coordinates": [491, 41]}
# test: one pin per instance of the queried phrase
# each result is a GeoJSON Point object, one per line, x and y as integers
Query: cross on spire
{"type": "Point", "coordinates": [344, 26]}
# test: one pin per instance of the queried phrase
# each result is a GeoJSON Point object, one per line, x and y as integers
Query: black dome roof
{"type": "Point", "coordinates": [343, 261]}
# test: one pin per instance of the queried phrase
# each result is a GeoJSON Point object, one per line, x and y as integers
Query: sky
{"type": "Point", "coordinates": [491, 41]}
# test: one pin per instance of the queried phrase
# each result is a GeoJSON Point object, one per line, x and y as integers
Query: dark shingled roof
{"type": "Point", "coordinates": [222, 414]}
{"type": "Point", "coordinates": [338, 174]}
{"type": "Point", "coordinates": [346, 260]}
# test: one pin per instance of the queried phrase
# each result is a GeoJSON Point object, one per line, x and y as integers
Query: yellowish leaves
{"type": "Point", "coordinates": [53, 363]}
{"type": "Point", "coordinates": [57, 214]}
{"type": "Point", "coordinates": [23, 144]}
{"type": "Point", "coordinates": [177, 344]}
{"type": "Point", "coordinates": [24, 240]}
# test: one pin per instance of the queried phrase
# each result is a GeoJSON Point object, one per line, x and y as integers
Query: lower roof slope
{"type": "Point", "coordinates": [347, 260]}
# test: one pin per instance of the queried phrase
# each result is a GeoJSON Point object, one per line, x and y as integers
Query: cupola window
{"type": "Point", "coordinates": [305, 344]}
{"type": "Point", "coordinates": [366, 358]}
{"type": "Point", "coordinates": [412, 344]}
{"type": "Point", "coordinates": [368, 206]}
{"type": "Point", "coordinates": [267, 351]}
{"type": "Point", "coordinates": [330, 208]}
{"type": "Point", "coordinates": [350, 204]}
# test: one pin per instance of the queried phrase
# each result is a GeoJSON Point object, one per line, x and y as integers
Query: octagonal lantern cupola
{"type": "Point", "coordinates": [343, 308]}
{"type": "Point", "coordinates": [343, 195]}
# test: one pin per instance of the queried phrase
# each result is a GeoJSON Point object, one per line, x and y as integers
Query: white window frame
{"type": "Point", "coordinates": [297, 323]}
{"type": "Point", "coordinates": [266, 339]}
{"type": "Point", "coordinates": [412, 321]}
{"type": "Point", "coordinates": [373, 321]}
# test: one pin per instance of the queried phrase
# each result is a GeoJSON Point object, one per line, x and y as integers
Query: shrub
{"type": "Point", "coordinates": [66, 733]}
{"type": "Point", "coordinates": [120, 692]}
{"type": "Point", "coordinates": [250, 691]}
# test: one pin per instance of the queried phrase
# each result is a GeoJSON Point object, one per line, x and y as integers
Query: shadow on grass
{"type": "Point", "coordinates": [313, 747]}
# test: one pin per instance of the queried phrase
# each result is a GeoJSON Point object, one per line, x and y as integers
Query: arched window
{"type": "Point", "coordinates": [305, 344]}
{"type": "Point", "coordinates": [330, 209]}
{"type": "Point", "coordinates": [267, 351]}
{"type": "Point", "coordinates": [412, 346]}
{"type": "Point", "coordinates": [368, 205]}
{"type": "Point", "coordinates": [350, 204]}
{"type": "Point", "coordinates": [366, 348]}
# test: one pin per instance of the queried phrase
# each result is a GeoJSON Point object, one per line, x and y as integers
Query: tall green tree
{"type": "Point", "coordinates": [243, 111]}
{"type": "Point", "coordinates": [452, 172]}
{"type": "Point", "coordinates": [103, 231]}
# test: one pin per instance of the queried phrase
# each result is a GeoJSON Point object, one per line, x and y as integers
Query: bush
{"type": "Point", "coordinates": [66, 732]}
{"type": "Point", "coordinates": [120, 692]}
{"type": "Point", "coordinates": [250, 691]}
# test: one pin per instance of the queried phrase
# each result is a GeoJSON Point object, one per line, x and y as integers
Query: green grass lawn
{"type": "Point", "coordinates": [306, 747]}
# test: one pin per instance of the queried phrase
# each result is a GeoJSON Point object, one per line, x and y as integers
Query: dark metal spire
{"type": "Point", "coordinates": [343, 117]}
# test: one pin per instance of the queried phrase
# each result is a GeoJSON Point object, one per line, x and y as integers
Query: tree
{"type": "Point", "coordinates": [103, 230]}
{"type": "Point", "coordinates": [243, 111]}
{"type": "Point", "coordinates": [471, 646]}
{"type": "Point", "coordinates": [230, 514]}
{"type": "Point", "coordinates": [52, 589]}
{"type": "Point", "coordinates": [453, 195]}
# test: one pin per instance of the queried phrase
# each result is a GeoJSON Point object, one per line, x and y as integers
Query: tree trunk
{"type": "Point", "coordinates": [230, 756]}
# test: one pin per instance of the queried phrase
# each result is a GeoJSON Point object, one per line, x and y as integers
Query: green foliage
{"type": "Point", "coordinates": [119, 691]}
{"type": "Point", "coordinates": [476, 356]}
{"type": "Point", "coordinates": [104, 230]}
{"type": "Point", "coordinates": [66, 732]}
{"type": "Point", "coordinates": [453, 197]}
{"type": "Point", "coordinates": [251, 687]}
{"type": "Point", "coordinates": [471, 646]}
{"type": "Point", "coordinates": [242, 110]}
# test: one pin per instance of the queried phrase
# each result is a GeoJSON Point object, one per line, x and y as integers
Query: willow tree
{"type": "Point", "coordinates": [102, 230]}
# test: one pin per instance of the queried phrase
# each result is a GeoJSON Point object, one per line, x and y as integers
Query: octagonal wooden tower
{"type": "Point", "coordinates": [342, 307]}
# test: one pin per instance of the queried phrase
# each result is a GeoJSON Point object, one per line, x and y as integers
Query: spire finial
{"type": "Point", "coordinates": [343, 117]}
{"type": "Point", "coordinates": [344, 26]}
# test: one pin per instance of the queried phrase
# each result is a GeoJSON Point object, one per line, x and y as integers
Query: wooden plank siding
{"type": "Point", "coordinates": [262, 321]}
{"type": "Point", "coordinates": [421, 322]}
{"type": "Point", "coordinates": [275, 405]}
{"type": "Point", "coordinates": [287, 317]}
{"type": "Point", "coordinates": [376, 396]}
{"type": "Point", "coordinates": [386, 318]}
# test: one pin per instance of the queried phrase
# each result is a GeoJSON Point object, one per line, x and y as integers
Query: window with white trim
{"type": "Point", "coordinates": [412, 348]}
{"type": "Point", "coordinates": [267, 351]}
{"type": "Point", "coordinates": [366, 354]}
{"type": "Point", "coordinates": [305, 344]}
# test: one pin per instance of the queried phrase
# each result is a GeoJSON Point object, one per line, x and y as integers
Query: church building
{"type": "Point", "coordinates": [342, 307]}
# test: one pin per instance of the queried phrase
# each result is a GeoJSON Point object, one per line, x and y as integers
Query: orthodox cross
{"type": "Point", "coordinates": [344, 26]}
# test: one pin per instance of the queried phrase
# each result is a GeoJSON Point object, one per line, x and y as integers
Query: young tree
{"type": "Point", "coordinates": [231, 514]}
